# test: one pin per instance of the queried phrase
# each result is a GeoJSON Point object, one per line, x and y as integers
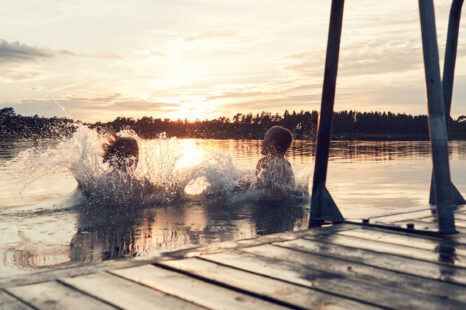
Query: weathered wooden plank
{"type": "Point", "coordinates": [432, 244]}
{"type": "Point", "coordinates": [432, 226]}
{"type": "Point", "coordinates": [50, 275]}
{"type": "Point", "coordinates": [461, 223]}
{"type": "Point", "coordinates": [460, 216]}
{"type": "Point", "coordinates": [430, 219]}
{"type": "Point", "coordinates": [382, 260]}
{"type": "Point", "coordinates": [409, 283]}
{"type": "Point", "coordinates": [339, 284]}
{"type": "Point", "coordinates": [237, 244]}
{"type": "Point", "coordinates": [461, 211]}
{"type": "Point", "coordinates": [288, 293]}
{"type": "Point", "coordinates": [9, 303]}
{"type": "Point", "coordinates": [401, 250]}
{"type": "Point", "coordinates": [402, 216]}
{"type": "Point", "coordinates": [412, 215]}
{"type": "Point", "coordinates": [53, 295]}
{"type": "Point", "coordinates": [459, 238]}
{"type": "Point", "coordinates": [126, 294]}
{"type": "Point", "coordinates": [194, 290]}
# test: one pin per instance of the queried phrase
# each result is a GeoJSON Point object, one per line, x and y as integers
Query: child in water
{"type": "Point", "coordinates": [273, 171]}
{"type": "Point", "coordinates": [121, 153]}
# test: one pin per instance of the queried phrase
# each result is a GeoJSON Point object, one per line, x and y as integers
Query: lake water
{"type": "Point", "coordinates": [45, 222]}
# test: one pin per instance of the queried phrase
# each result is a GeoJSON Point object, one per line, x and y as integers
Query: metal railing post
{"type": "Point", "coordinates": [437, 120]}
{"type": "Point", "coordinates": [447, 82]}
{"type": "Point", "coordinates": [322, 205]}
{"type": "Point", "coordinates": [450, 54]}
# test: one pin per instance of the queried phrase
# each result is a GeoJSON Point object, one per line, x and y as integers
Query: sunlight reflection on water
{"type": "Point", "coordinates": [42, 227]}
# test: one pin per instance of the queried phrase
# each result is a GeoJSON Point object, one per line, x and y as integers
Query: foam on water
{"type": "Point", "coordinates": [168, 169]}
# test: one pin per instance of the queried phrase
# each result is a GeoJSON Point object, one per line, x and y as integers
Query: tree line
{"type": "Point", "coordinates": [13, 125]}
{"type": "Point", "coordinates": [303, 124]}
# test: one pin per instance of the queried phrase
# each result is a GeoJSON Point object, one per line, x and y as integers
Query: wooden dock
{"type": "Point", "coordinates": [344, 266]}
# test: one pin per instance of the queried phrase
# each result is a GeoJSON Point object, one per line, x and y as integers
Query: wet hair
{"type": "Point", "coordinates": [276, 141]}
{"type": "Point", "coordinates": [121, 152]}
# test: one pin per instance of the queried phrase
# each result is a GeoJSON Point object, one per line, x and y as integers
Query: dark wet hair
{"type": "Point", "coordinates": [276, 141]}
{"type": "Point", "coordinates": [121, 152]}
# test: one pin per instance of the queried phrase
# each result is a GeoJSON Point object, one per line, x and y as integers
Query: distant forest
{"type": "Point", "coordinates": [13, 125]}
{"type": "Point", "coordinates": [303, 124]}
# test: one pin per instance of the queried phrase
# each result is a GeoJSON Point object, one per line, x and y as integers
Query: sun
{"type": "Point", "coordinates": [191, 108]}
{"type": "Point", "coordinates": [189, 113]}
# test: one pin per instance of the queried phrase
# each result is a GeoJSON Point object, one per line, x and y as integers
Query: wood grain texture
{"type": "Point", "coordinates": [381, 260]}
{"type": "Point", "coordinates": [335, 283]}
{"type": "Point", "coordinates": [360, 271]}
{"type": "Point", "coordinates": [125, 293]}
{"type": "Point", "coordinates": [431, 219]}
{"type": "Point", "coordinates": [288, 293]}
{"type": "Point", "coordinates": [238, 244]}
{"type": "Point", "coordinates": [53, 295]}
{"type": "Point", "coordinates": [460, 216]}
{"type": "Point", "coordinates": [193, 290]}
{"type": "Point", "coordinates": [424, 242]}
{"type": "Point", "coordinates": [402, 216]}
{"type": "Point", "coordinates": [432, 226]}
{"type": "Point", "coordinates": [9, 303]}
{"type": "Point", "coordinates": [401, 250]}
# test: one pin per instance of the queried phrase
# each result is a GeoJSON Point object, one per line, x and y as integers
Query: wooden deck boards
{"type": "Point", "coordinates": [339, 267]}
{"type": "Point", "coordinates": [9, 303]}
{"type": "Point", "coordinates": [53, 295]}
{"type": "Point", "coordinates": [125, 294]}
{"type": "Point", "coordinates": [284, 292]}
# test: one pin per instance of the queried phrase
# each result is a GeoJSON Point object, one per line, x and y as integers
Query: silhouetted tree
{"type": "Point", "coordinates": [346, 125]}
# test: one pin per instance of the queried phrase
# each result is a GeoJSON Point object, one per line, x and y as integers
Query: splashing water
{"type": "Point", "coordinates": [168, 169]}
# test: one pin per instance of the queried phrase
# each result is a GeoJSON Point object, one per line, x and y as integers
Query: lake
{"type": "Point", "coordinates": [44, 224]}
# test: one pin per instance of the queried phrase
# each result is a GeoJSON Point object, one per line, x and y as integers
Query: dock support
{"type": "Point", "coordinates": [322, 205]}
{"type": "Point", "coordinates": [447, 83]}
{"type": "Point", "coordinates": [437, 119]}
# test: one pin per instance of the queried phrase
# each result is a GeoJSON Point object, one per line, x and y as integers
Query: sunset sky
{"type": "Point", "coordinates": [96, 60]}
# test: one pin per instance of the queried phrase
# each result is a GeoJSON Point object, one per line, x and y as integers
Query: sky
{"type": "Point", "coordinates": [96, 60]}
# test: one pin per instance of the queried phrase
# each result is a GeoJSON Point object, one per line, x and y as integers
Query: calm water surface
{"type": "Point", "coordinates": [41, 226]}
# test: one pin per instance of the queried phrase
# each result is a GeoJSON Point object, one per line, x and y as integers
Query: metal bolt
{"type": "Point", "coordinates": [365, 221]}
{"type": "Point", "coordinates": [410, 226]}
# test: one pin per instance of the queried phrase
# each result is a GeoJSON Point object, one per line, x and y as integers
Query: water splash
{"type": "Point", "coordinates": [168, 169]}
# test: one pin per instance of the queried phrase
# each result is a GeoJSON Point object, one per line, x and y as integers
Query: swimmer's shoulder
{"type": "Point", "coordinates": [261, 163]}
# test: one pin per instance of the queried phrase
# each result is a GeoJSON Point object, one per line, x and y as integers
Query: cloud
{"type": "Point", "coordinates": [107, 55]}
{"type": "Point", "coordinates": [274, 91]}
{"type": "Point", "coordinates": [16, 52]}
{"type": "Point", "coordinates": [377, 56]}
{"type": "Point", "coordinates": [92, 109]}
{"type": "Point", "coordinates": [20, 76]}
{"type": "Point", "coordinates": [143, 105]}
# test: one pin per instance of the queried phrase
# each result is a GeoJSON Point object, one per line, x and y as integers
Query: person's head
{"type": "Point", "coordinates": [121, 153]}
{"type": "Point", "coordinates": [276, 141]}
